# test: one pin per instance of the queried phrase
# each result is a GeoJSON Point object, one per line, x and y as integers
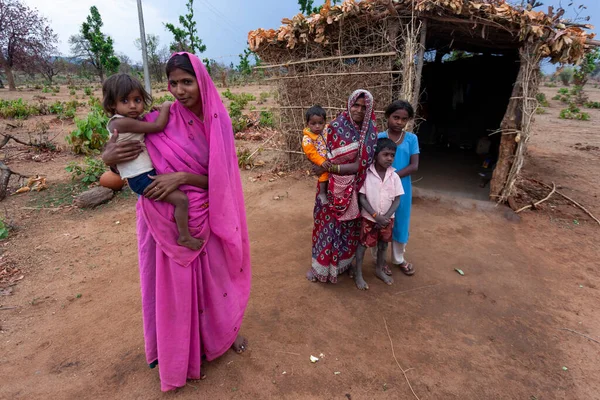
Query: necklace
{"type": "Point", "coordinates": [400, 138]}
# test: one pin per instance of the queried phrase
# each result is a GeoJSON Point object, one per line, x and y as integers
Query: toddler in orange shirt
{"type": "Point", "coordinates": [314, 144]}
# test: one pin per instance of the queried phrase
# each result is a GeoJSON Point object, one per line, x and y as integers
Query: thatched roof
{"type": "Point", "coordinates": [453, 22]}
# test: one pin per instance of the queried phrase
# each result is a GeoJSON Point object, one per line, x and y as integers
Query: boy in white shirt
{"type": "Point", "coordinates": [379, 198]}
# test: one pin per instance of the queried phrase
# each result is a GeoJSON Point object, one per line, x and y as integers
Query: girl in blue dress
{"type": "Point", "coordinates": [406, 162]}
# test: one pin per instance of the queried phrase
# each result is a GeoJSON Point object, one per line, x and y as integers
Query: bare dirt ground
{"type": "Point", "coordinates": [495, 333]}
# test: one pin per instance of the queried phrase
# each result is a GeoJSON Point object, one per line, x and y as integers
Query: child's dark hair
{"type": "Point", "coordinates": [118, 87]}
{"type": "Point", "coordinates": [182, 62]}
{"type": "Point", "coordinates": [317, 111]}
{"type": "Point", "coordinates": [384, 144]}
{"type": "Point", "coordinates": [400, 105]}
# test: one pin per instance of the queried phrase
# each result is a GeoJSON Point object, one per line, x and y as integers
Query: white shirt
{"type": "Point", "coordinates": [381, 193]}
{"type": "Point", "coordinates": [142, 163]}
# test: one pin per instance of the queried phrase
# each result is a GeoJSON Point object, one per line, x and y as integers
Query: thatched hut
{"type": "Point", "coordinates": [471, 66]}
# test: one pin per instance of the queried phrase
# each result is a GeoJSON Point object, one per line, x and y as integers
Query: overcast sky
{"type": "Point", "coordinates": [223, 25]}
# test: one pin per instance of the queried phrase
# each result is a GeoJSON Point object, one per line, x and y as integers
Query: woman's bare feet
{"type": "Point", "coordinates": [190, 242]}
{"type": "Point", "coordinates": [240, 344]}
{"type": "Point", "coordinates": [311, 276]}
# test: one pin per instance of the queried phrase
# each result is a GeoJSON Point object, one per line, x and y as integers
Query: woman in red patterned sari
{"type": "Point", "coordinates": [351, 140]}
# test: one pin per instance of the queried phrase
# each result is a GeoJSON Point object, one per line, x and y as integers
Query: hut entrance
{"type": "Point", "coordinates": [463, 102]}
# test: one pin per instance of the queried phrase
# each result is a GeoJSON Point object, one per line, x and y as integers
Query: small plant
{"type": "Point", "coordinates": [90, 135]}
{"type": "Point", "coordinates": [266, 119]}
{"type": "Point", "coordinates": [88, 91]}
{"type": "Point", "coordinates": [592, 104]}
{"type": "Point", "coordinates": [540, 110]}
{"type": "Point", "coordinates": [89, 172]}
{"type": "Point", "coordinates": [17, 109]}
{"type": "Point", "coordinates": [542, 100]}
{"type": "Point", "coordinates": [264, 96]}
{"type": "Point", "coordinates": [4, 229]}
{"type": "Point", "coordinates": [47, 89]}
{"type": "Point", "coordinates": [573, 112]}
{"type": "Point", "coordinates": [157, 101]}
{"type": "Point", "coordinates": [563, 91]}
{"type": "Point", "coordinates": [72, 92]}
{"type": "Point", "coordinates": [244, 158]}
{"type": "Point", "coordinates": [566, 76]}
{"type": "Point", "coordinates": [56, 89]}
{"type": "Point", "coordinates": [63, 110]}
{"type": "Point", "coordinates": [550, 84]}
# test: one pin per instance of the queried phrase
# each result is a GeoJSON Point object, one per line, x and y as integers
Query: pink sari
{"type": "Point", "coordinates": [193, 302]}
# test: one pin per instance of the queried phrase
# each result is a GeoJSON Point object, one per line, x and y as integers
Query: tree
{"type": "Point", "coordinates": [125, 64]}
{"type": "Point", "coordinates": [23, 35]}
{"type": "Point", "coordinates": [50, 66]}
{"type": "Point", "coordinates": [185, 38]}
{"type": "Point", "coordinates": [157, 57]}
{"type": "Point", "coordinates": [306, 6]}
{"type": "Point", "coordinates": [94, 46]}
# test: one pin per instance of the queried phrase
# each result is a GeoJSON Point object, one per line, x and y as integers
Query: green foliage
{"type": "Point", "coordinates": [573, 112]}
{"type": "Point", "coordinates": [542, 100]}
{"type": "Point", "coordinates": [306, 6]}
{"type": "Point", "coordinates": [4, 229]}
{"type": "Point", "coordinates": [95, 46]}
{"type": "Point", "coordinates": [563, 91]}
{"type": "Point", "coordinates": [17, 109]}
{"type": "Point", "coordinates": [540, 110]}
{"type": "Point", "coordinates": [72, 92]}
{"type": "Point", "coordinates": [566, 75]}
{"type": "Point", "coordinates": [587, 67]}
{"type": "Point", "coordinates": [89, 172]}
{"type": "Point", "coordinates": [88, 91]}
{"type": "Point", "coordinates": [266, 119]}
{"type": "Point", "coordinates": [64, 110]}
{"type": "Point", "coordinates": [185, 38]}
{"type": "Point", "coordinates": [550, 84]}
{"type": "Point", "coordinates": [245, 66]}
{"type": "Point", "coordinates": [263, 97]}
{"type": "Point", "coordinates": [238, 102]}
{"type": "Point", "coordinates": [46, 89]}
{"type": "Point", "coordinates": [90, 135]}
{"type": "Point", "coordinates": [592, 104]}
{"type": "Point", "coordinates": [157, 101]}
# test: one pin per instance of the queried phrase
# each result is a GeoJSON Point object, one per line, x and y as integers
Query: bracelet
{"type": "Point", "coordinates": [339, 169]}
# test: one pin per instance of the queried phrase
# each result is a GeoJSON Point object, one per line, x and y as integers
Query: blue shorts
{"type": "Point", "coordinates": [139, 183]}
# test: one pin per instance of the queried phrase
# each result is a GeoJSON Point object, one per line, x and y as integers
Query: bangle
{"type": "Point", "coordinates": [374, 215]}
{"type": "Point", "coordinates": [339, 169]}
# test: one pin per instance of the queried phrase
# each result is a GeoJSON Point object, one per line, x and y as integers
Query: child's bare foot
{"type": "Point", "coordinates": [190, 242]}
{"type": "Point", "coordinates": [323, 198]}
{"type": "Point", "coordinates": [380, 273]}
{"type": "Point", "coordinates": [360, 283]}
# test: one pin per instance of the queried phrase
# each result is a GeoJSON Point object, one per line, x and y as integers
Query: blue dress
{"type": "Point", "coordinates": [408, 147]}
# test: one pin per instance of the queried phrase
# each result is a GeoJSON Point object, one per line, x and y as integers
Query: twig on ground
{"type": "Point", "coordinates": [572, 201]}
{"type": "Point", "coordinates": [537, 203]}
{"type": "Point", "coordinates": [417, 288]}
{"type": "Point", "coordinates": [7, 137]}
{"type": "Point", "coordinates": [580, 334]}
{"type": "Point", "coordinates": [260, 147]}
{"type": "Point", "coordinates": [283, 151]}
{"type": "Point", "coordinates": [7, 308]}
{"type": "Point", "coordinates": [418, 180]}
{"type": "Point", "coordinates": [399, 366]}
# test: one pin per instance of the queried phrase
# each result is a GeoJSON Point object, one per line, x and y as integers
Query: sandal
{"type": "Point", "coordinates": [407, 269]}
{"type": "Point", "coordinates": [387, 270]}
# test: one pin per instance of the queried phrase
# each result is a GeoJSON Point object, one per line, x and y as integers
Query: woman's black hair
{"type": "Point", "coordinates": [400, 105]}
{"type": "Point", "coordinates": [118, 87]}
{"type": "Point", "coordinates": [316, 110]}
{"type": "Point", "coordinates": [383, 144]}
{"type": "Point", "coordinates": [182, 62]}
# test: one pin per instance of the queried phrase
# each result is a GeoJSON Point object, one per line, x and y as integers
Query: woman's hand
{"type": "Point", "coordinates": [116, 153]}
{"type": "Point", "coordinates": [318, 170]}
{"type": "Point", "coordinates": [164, 185]}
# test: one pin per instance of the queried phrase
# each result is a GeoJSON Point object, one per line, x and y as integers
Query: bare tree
{"type": "Point", "coordinates": [50, 66]}
{"type": "Point", "coordinates": [24, 34]}
{"type": "Point", "coordinates": [157, 57]}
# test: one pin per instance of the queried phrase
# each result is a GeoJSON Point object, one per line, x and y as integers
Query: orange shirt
{"type": "Point", "coordinates": [315, 148]}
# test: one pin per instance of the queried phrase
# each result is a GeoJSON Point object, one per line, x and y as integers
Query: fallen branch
{"type": "Point", "coordinates": [399, 366]}
{"type": "Point", "coordinates": [283, 151]}
{"type": "Point", "coordinates": [7, 308]}
{"type": "Point", "coordinates": [537, 203]}
{"type": "Point", "coordinates": [572, 201]}
{"type": "Point", "coordinates": [260, 147]}
{"type": "Point", "coordinates": [5, 174]}
{"type": "Point", "coordinates": [580, 334]}
{"type": "Point", "coordinates": [7, 138]}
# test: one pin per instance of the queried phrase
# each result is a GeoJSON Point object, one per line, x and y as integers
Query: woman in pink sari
{"type": "Point", "coordinates": [193, 302]}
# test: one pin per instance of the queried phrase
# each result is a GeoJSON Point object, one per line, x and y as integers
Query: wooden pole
{"type": "Point", "coordinates": [312, 60]}
{"type": "Point", "coordinates": [333, 74]}
{"type": "Point", "coordinates": [420, 62]}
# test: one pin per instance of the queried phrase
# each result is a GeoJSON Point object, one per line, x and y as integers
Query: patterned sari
{"type": "Point", "coordinates": [336, 231]}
